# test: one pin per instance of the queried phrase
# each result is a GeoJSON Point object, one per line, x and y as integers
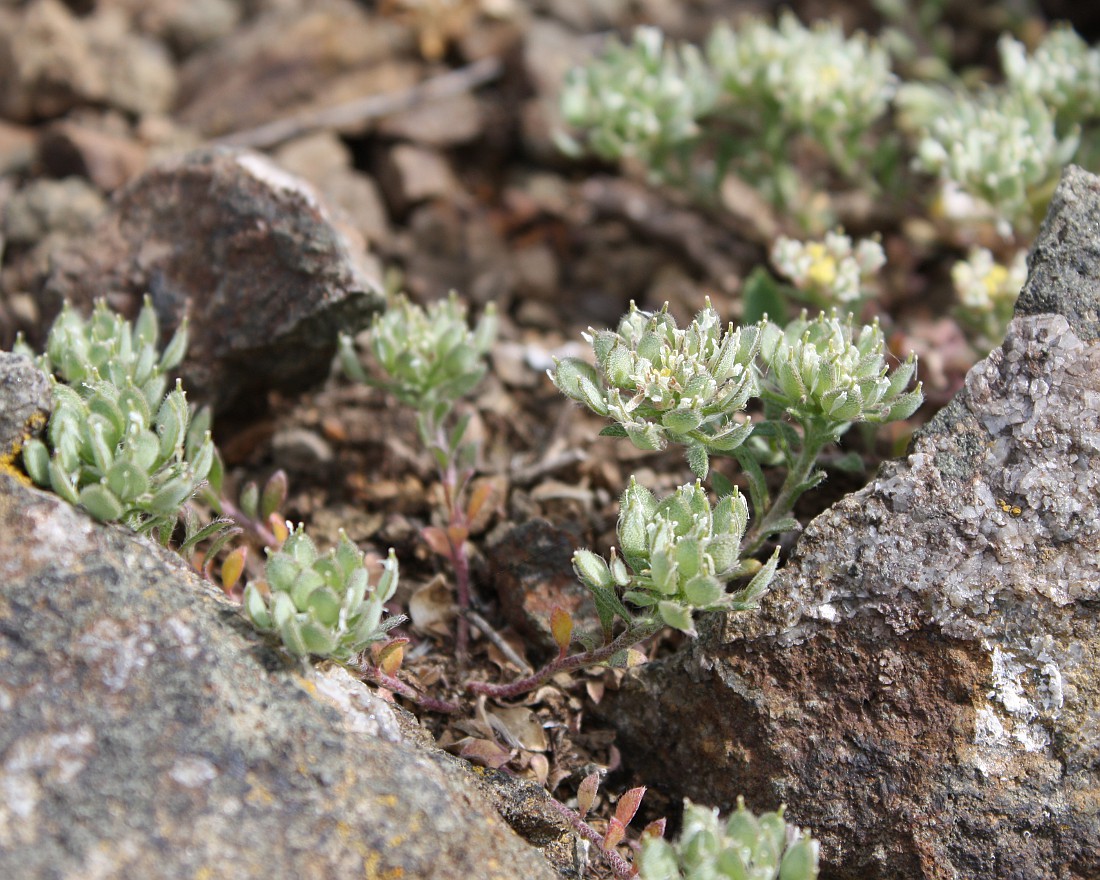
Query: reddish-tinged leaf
{"type": "Point", "coordinates": [233, 568]}
{"type": "Point", "coordinates": [561, 626]}
{"type": "Point", "coordinates": [478, 497]}
{"type": "Point", "coordinates": [457, 535]}
{"type": "Point", "coordinates": [656, 828]}
{"type": "Point", "coordinates": [586, 793]}
{"type": "Point", "coordinates": [616, 831]}
{"type": "Point", "coordinates": [628, 804]}
{"type": "Point", "coordinates": [278, 528]}
{"type": "Point", "coordinates": [485, 753]}
{"type": "Point", "coordinates": [436, 538]}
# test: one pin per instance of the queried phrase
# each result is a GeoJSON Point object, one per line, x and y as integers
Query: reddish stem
{"type": "Point", "coordinates": [620, 866]}
{"type": "Point", "coordinates": [392, 683]}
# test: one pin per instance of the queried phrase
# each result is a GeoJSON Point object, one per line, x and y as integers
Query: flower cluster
{"type": "Point", "coordinates": [681, 553]}
{"type": "Point", "coordinates": [987, 292]}
{"type": "Point", "coordinates": [815, 81]}
{"type": "Point", "coordinates": [743, 847]}
{"type": "Point", "coordinates": [998, 146]}
{"type": "Point", "coordinates": [984, 285]}
{"type": "Point", "coordinates": [116, 444]}
{"type": "Point", "coordinates": [638, 101]}
{"type": "Point", "coordinates": [826, 375]}
{"type": "Point", "coordinates": [661, 383]}
{"type": "Point", "coordinates": [430, 356]}
{"type": "Point", "coordinates": [318, 604]}
{"type": "Point", "coordinates": [1062, 72]}
{"type": "Point", "coordinates": [830, 271]}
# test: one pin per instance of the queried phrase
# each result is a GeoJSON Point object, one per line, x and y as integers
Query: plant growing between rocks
{"type": "Point", "coordinates": [429, 359]}
{"type": "Point", "coordinates": [116, 444]}
{"type": "Point", "coordinates": [661, 384]}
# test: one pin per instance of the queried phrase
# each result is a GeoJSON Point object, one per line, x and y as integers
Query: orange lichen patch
{"type": "Point", "coordinates": [371, 870]}
{"type": "Point", "coordinates": [9, 464]}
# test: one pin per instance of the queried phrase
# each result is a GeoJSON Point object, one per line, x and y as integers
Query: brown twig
{"type": "Point", "coordinates": [455, 82]}
{"type": "Point", "coordinates": [497, 639]}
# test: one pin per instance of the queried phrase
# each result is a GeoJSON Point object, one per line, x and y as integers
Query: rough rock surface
{"type": "Point", "coordinates": [920, 686]}
{"type": "Point", "coordinates": [26, 397]}
{"type": "Point", "coordinates": [249, 252]}
{"type": "Point", "coordinates": [148, 732]}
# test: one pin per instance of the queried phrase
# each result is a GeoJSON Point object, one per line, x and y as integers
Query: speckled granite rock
{"type": "Point", "coordinates": [920, 686]}
{"type": "Point", "coordinates": [146, 732]}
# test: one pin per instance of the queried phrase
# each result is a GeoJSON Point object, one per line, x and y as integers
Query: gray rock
{"type": "Point", "coordinates": [149, 733]}
{"type": "Point", "coordinates": [26, 396]}
{"type": "Point", "coordinates": [249, 252]}
{"type": "Point", "coordinates": [920, 685]}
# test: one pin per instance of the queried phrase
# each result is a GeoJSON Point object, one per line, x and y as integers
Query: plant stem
{"type": "Point", "coordinates": [631, 636]}
{"type": "Point", "coordinates": [392, 683]}
{"type": "Point", "coordinates": [620, 866]}
{"type": "Point", "coordinates": [812, 444]}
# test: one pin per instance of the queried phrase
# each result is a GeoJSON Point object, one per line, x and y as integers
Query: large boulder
{"type": "Point", "coordinates": [147, 732]}
{"type": "Point", "coordinates": [920, 685]}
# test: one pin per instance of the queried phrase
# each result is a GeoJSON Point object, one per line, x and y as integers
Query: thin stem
{"type": "Point", "coordinates": [255, 526]}
{"type": "Point", "coordinates": [391, 683]}
{"type": "Point", "coordinates": [634, 634]}
{"type": "Point", "coordinates": [616, 862]}
{"type": "Point", "coordinates": [783, 503]}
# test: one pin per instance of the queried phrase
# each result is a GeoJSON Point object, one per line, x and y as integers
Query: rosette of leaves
{"type": "Point", "coordinates": [678, 554]}
{"type": "Point", "coordinates": [742, 847]}
{"type": "Point", "coordinates": [430, 356]}
{"type": "Point", "coordinates": [116, 444]}
{"type": "Point", "coordinates": [660, 383]}
{"type": "Point", "coordinates": [321, 604]}
{"type": "Point", "coordinates": [826, 375]}
{"type": "Point", "coordinates": [639, 101]}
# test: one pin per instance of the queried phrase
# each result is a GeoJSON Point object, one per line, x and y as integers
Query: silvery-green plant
{"type": "Point", "coordinates": [742, 105]}
{"type": "Point", "coordinates": [641, 101]}
{"type": "Point", "coordinates": [678, 555]}
{"type": "Point", "coordinates": [796, 80]}
{"type": "Point", "coordinates": [429, 358]}
{"type": "Point", "coordinates": [660, 383]}
{"type": "Point", "coordinates": [116, 444]}
{"type": "Point", "coordinates": [742, 847]}
{"type": "Point", "coordinates": [833, 271]}
{"type": "Point", "coordinates": [322, 604]}
{"type": "Point", "coordinates": [1063, 73]}
{"type": "Point", "coordinates": [1000, 147]}
{"type": "Point", "coordinates": [823, 375]}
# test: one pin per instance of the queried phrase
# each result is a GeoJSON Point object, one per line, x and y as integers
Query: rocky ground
{"type": "Point", "coordinates": [427, 129]}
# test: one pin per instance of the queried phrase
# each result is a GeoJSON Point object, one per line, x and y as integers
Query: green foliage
{"type": "Point", "coordinates": [678, 554]}
{"type": "Point", "coordinates": [743, 105]}
{"type": "Point", "coordinates": [660, 383]}
{"type": "Point", "coordinates": [999, 147]}
{"type": "Point", "coordinates": [319, 603]}
{"type": "Point", "coordinates": [430, 357]}
{"type": "Point", "coordinates": [825, 375]}
{"type": "Point", "coordinates": [743, 847]}
{"type": "Point", "coordinates": [116, 444]}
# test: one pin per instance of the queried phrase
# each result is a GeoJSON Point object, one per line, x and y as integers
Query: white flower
{"type": "Point", "coordinates": [832, 269]}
